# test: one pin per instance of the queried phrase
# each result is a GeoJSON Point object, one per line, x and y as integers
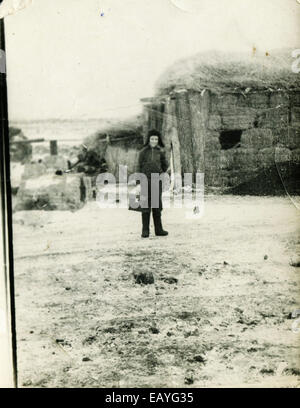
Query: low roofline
{"type": "Point", "coordinates": [247, 91]}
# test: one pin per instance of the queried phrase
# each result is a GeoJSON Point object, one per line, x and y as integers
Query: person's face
{"type": "Point", "coordinates": [153, 141]}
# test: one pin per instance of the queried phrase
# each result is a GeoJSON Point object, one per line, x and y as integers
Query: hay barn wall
{"type": "Point", "coordinates": [122, 149]}
{"type": "Point", "coordinates": [269, 128]}
{"type": "Point", "coordinates": [117, 155]}
{"type": "Point", "coordinates": [229, 136]}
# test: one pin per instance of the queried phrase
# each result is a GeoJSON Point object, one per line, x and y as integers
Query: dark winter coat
{"type": "Point", "coordinates": [152, 160]}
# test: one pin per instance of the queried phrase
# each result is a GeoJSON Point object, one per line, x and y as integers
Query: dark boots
{"type": "Point", "coordinates": [146, 224]}
{"type": "Point", "coordinates": [156, 213]}
{"type": "Point", "coordinates": [157, 222]}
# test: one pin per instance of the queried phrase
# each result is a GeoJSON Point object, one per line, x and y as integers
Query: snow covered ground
{"type": "Point", "coordinates": [217, 314]}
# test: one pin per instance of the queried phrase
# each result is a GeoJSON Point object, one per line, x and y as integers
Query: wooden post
{"type": "Point", "coordinates": [166, 126]}
{"type": "Point", "coordinates": [183, 115]}
{"type": "Point", "coordinates": [145, 121]}
{"type": "Point", "coordinates": [170, 138]}
{"type": "Point", "coordinates": [199, 108]}
{"type": "Point", "coordinates": [160, 116]}
{"type": "Point", "coordinates": [53, 147]}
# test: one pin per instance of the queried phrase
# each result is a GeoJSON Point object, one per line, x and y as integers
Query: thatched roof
{"type": "Point", "coordinates": [126, 132]}
{"type": "Point", "coordinates": [220, 71]}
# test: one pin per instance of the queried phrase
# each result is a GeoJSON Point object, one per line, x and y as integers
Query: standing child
{"type": "Point", "coordinates": [152, 159]}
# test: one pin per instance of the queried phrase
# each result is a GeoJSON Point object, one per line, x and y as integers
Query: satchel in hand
{"type": "Point", "coordinates": [135, 200]}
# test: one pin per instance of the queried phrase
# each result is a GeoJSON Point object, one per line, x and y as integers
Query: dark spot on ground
{"type": "Point", "coordinates": [144, 278]}
{"type": "Point", "coordinates": [154, 330]}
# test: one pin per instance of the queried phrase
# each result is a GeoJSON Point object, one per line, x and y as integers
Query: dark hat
{"type": "Point", "coordinates": [154, 132]}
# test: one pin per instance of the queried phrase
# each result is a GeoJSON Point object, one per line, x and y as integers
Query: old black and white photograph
{"type": "Point", "coordinates": [152, 181]}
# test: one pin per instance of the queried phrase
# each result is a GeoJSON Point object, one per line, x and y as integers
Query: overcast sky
{"type": "Point", "coordinates": [97, 58]}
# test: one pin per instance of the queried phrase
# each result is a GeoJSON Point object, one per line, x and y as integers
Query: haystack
{"type": "Point", "coordinates": [223, 72]}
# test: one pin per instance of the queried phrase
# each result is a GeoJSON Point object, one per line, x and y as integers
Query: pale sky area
{"type": "Point", "coordinates": [66, 60]}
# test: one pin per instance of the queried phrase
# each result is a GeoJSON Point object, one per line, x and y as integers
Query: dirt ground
{"type": "Point", "coordinates": [217, 314]}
